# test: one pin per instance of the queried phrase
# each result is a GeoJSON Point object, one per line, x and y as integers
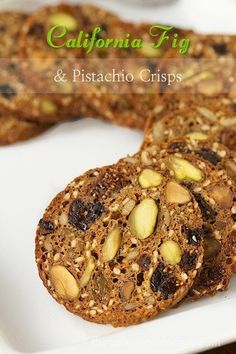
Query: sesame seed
{"type": "Point", "coordinates": [93, 312]}
{"type": "Point", "coordinates": [135, 267]}
{"type": "Point", "coordinates": [116, 271]}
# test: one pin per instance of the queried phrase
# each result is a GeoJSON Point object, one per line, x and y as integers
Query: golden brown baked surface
{"type": "Point", "coordinates": [113, 248]}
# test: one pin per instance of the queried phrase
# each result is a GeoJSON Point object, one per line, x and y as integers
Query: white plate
{"type": "Point", "coordinates": [32, 173]}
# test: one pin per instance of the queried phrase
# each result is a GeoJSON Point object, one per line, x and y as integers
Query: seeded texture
{"type": "Point", "coordinates": [12, 129]}
{"type": "Point", "coordinates": [215, 195]}
{"type": "Point", "coordinates": [117, 272]}
{"type": "Point", "coordinates": [195, 116]}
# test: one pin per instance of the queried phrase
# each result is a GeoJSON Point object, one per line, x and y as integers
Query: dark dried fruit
{"type": "Point", "coordinates": [188, 261]}
{"type": "Point", "coordinates": [140, 279]}
{"type": "Point", "coordinates": [194, 236]}
{"type": "Point", "coordinates": [234, 217]}
{"type": "Point", "coordinates": [82, 215]}
{"type": "Point", "coordinates": [212, 247]}
{"type": "Point", "coordinates": [209, 155]}
{"type": "Point", "coordinates": [163, 282]}
{"type": "Point", "coordinates": [209, 276]}
{"type": "Point", "coordinates": [101, 286]}
{"type": "Point", "coordinates": [107, 184]}
{"type": "Point", "coordinates": [46, 226]}
{"type": "Point", "coordinates": [208, 213]}
{"type": "Point", "coordinates": [220, 48]}
{"type": "Point", "coordinates": [178, 146]}
{"type": "Point", "coordinates": [7, 91]}
{"type": "Point", "coordinates": [144, 261]}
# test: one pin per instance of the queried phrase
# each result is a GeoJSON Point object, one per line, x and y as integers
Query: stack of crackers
{"type": "Point", "coordinates": [125, 242]}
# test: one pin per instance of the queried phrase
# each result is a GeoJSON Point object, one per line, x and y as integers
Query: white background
{"type": "Point", "coordinates": [32, 173]}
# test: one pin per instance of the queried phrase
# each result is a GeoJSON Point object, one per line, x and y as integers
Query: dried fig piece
{"type": "Point", "coordinates": [46, 226]}
{"type": "Point", "coordinates": [140, 279]}
{"type": "Point", "coordinates": [82, 215]}
{"type": "Point", "coordinates": [194, 236]}
{"type": "Point", "coordinates": [144, 261]}
{"type": "Point", "coordinates": [188, 261]}
{"type": "Point", "coordinates": [209, 155]}
{"type": "Point", "coordinates": [220, 48]}
{"type": "Point", "coordinates": [208, 213]}
{"type": "Point", "coordinates": [209, 276]}
{"type": "Point", "coordinates": [163, 282]}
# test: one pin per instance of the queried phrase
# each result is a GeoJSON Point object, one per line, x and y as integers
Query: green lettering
{"type": "Point", "coordinates": [93, 39]}
{"type": "Point", "coordinates": [52, 35]}
{"type": "Point", "coordinates": [163, 37]}
{"type": "Point", "coordinates": [71, 43]}
{"type": "Point", "coordinates": [137, 43]}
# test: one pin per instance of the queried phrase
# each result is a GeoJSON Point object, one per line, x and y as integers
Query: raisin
{"type": "Point", "coordinates": [113, 184]}
{"type": "Point", "coordinates": [188, 261]}
{"type": "Point", "coordinates": [7, 91]}
{"type": "Point", "coordinates": [144, 261]}
{"type": "Point", "coordinates": [120, 259]}
{"type": "Point", "coordinates": [162, 282]}
{"type": "Point", "coordinates": [209, 276]}
{"type": "Point", "coordinates": [46, 226]}
{"type": "Point", "coordinates": [209, 155]}
{"type": "Point", "coordinates": [140, 279]}
{"type": "Point", "coordinates": [208, 213]}
{"type": "Point", "coordinates": [220, 48]}
{"type": "Point", "coordinates": [194, 236]}
{"type": "Point", "coordinates": [178, 146]}
{"type": "Point", "coordinates": [234, 217]}
{"type": "Point", "coordinates": [82, 215]}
